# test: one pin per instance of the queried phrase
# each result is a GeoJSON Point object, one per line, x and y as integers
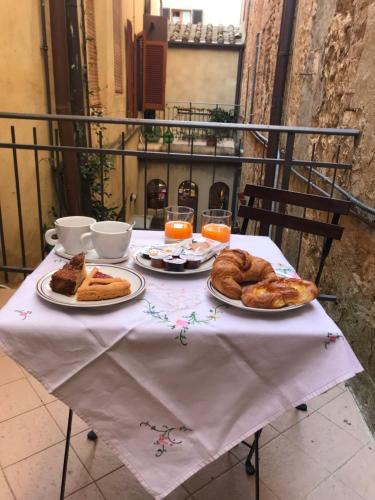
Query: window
{"type": "Point", "coordinates": [219, 196]}
{"type": "Point", "coordinates": [156, 194]}
{"type": "Point", "coordinates": [92, 57]}
{"type": "Point", "coordinates": [181, 16]}
{"type": "Point", "coordinates": [188, 194]}
{"type": "Point", "coordinates": [117, 55]}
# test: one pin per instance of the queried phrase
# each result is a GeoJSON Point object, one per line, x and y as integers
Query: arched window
{"type": "Point", "coordinates": [219, 196]}
{"type": "Point", "coordinates": [188, 194]}
{"type": "Point", "coordinates": [156, 194]}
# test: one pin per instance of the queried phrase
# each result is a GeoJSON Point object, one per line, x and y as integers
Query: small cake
{"type": "Point", "coordinates": [158, 260]}
{"type": "Point", "coordinates": [100, 286]}
{"type": "Point", "coordinates": [172, 264]}
{"type": "Point", "coordinates": [67, 280]}
{"type": "Point", "coordinates": [193, 261]}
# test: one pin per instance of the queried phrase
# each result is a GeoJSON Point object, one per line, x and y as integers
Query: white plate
{"type": "Point", "coordinates": [90, 256]}
{"type": "Point", "coordinates": [240, 305]}
{"type": "Point", "coordinates": [137, 285]}
{"type": "Point", "coordinates": [146, 263]}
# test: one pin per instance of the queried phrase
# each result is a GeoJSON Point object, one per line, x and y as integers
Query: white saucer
{"type": "Point", "coordinates": [90, 256]}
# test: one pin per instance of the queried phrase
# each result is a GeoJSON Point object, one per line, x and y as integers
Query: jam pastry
{"type": "Point", "coordinates": [100, 286]}
{"type": "Point", "coordinates": [67, 280]}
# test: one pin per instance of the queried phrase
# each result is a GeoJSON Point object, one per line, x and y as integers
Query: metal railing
{"type": "Point", "coordinates": [26, 174]}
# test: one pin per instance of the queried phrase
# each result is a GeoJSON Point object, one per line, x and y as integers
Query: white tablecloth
{"type": "Point", "coordinates": [174, 379]}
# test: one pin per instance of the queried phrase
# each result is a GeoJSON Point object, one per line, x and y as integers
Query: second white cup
{"type": "Point", "coordinates": [110, 239]}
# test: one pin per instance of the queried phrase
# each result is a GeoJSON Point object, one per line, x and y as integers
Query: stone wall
{"type": "Point", "coordinates": [330, 84]}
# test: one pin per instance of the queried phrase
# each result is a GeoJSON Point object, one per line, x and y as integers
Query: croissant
{"type": "Point", "coordinates": [274, 293]}
{"type": "Point", "coordinates": [233, 267]}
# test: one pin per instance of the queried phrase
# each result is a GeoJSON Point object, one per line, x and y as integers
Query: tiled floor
{"type": "Point", "coordinates": [324, 454]}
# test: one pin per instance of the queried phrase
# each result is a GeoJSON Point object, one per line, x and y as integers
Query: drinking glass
{"type": "Point", "coordinates": [216, 224]}
{"type": "Point", "coordinates": [178, 223]}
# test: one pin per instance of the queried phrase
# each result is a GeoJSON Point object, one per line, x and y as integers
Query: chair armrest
{"type": "Point", "coordinates": [327, 298]}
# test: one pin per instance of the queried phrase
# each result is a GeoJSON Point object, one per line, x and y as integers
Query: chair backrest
{"type": "Point", "coordinates": [329, 230]}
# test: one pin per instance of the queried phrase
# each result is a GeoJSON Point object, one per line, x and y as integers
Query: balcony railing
{"type": "Point", "coordinates": [34, 171]}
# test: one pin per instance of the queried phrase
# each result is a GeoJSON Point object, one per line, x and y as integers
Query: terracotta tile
{"type": "Point", "coordinates": [290, 418]}
{"type": "Point", "coordinates": [210, 472]}
{"type": "Point", "coordinates": [16, 398]}
{"type": "Point", "coordinates": [39, 476]}
{"type": "Point", "coordinates": [96, 456]}
{"type": "Point", "coordinates": [60, 412]}
{"type": "Point", "coordinates": [288, 471]}
{"type": "Point", "coordinates": [235, 484]}
{"type": "Point", "coordinates": [40, 390]}
{"type": "Point", "coordinates": [120, 483]}
{"type": "Point", "coordinates": [344, 412]}
{"type": "Point", "coordinates": [324, 441]}
{"type": "Point", "coordinates": [26, 434]}
{"type": "Point", "coordinates": [90, 492]}
{"type": "Point", "coordinates": [268, 433]}
{"type": "Point", "coordinates": [359, 473]}
{"type": "Point", "coordinates": [332, 489]}
{"type": "Point", "coordinates": [5, 493]}
{"type": "Point", "coordinates": [325, 398]}
{"type": "Point", "coordinates": [9, 370]}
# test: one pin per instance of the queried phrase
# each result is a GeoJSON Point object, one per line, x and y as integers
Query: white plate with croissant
{"type": "Point", "coordinates": [250, 283]}
{"type": "Point", "coordinates": [80, 285]}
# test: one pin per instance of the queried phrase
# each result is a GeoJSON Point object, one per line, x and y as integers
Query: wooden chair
{"type": "Point", "coordinates": [328, 230]}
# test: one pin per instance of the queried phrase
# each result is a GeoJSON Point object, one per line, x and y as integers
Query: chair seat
{"type": "Point", "coordinates": [5, 295]}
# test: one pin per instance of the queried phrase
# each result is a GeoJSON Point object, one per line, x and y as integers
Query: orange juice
{"type": "Point", "coordinates": [218, 232]}
{"type": "Point", "coordinates": [178, 229]}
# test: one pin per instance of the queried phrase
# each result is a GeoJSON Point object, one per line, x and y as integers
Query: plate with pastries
{"type": "Point", "coordinates": [189, 256]}
{"type": "Point", "coordinates": [250, 283]}
{"type": "Point", "coordinates": [77, 284]}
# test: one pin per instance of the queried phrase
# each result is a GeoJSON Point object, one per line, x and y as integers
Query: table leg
{"type": "Point", "coordinates": [256, 442]}
{"type": "Point", "coordinates": [92, 436]}
{"type": "Point", "coordinates": [66, 454]}
{"type": "Point", "coordinates": [302, 407]}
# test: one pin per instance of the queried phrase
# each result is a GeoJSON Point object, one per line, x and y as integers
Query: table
{"type": "Point", "coordinates": [174, 379]}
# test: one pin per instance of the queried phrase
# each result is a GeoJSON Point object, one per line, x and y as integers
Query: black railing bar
{"type": "Point", "coordinates": [123, 194]}
{"type": "Point", "coordinates": [171, 103]}
{"type": "Point", "coordinates": [18, 195]}
{"type": "Point", "coordinates": [101, 167]}
{"type": "Point", "coordinates": [14, 269]}
{"type": "Point", "coordinates": [353, 199]}
{"type": "Point", "coordinates": [3, 247]}
{"type": "Point", "coordinates": [175, 156]}
{"type": "Point", "coordinates": [38, 194]}
{"type": "Point", "coordinates": [182, 123]}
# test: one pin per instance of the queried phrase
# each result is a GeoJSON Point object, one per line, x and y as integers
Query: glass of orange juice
{"type": "Point", "coordinates": [178, 223]}
{"type": "Point", "coordinates": [216, 224]}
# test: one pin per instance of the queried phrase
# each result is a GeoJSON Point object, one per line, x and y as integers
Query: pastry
{"type": "Point", "coordinates": [172, 264]}
{"type": "Point", "coordinates": [234, 267]}
{"type": "Point", "coordinates": [99, 286]}
{"type": "Point", "coordinates": [67, 279]}
{"type": "Point", "coordinates": [274, 293]}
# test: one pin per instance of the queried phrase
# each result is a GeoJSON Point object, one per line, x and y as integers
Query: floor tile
{"type": "Point", "coordinates": [290, 418]}
{"type": "Point", "coordinates": [325, 398]}
{"type": "Point", "coordinates": [359, 473]}
{"type": "Point", "coordinates": [9, 370]}
{"type": "Point", "coordinates": [42, 393]}
{"type": "Point", "coordinates": [26, 434]}
{"type": "Point", "coordinates": [211, 471]}
{"type": "Point", "coordinates": [5, 493]}
{"type": "Point", "coordinates": [268, 433]}
{"type": "Point", "coordinates": [122, 483]}
{"type": "Point", "coordinates": [39, 476]}
{"type": "Point", "coordinates": [96, 456]}
{"type": "Point", "coordinates": [60, 412]}
{"type": "Point", "coordinates": [344, 412]}
{"type": "Point", "coordinates": [16, 398]}
{"type": "Point", "coordinates": [324, 441]}
{"type": "Point", "coordinates": [332, 489]}
{"type": "Point", "coordinates": [288, 471]}
{"type": "Point", "coordinates": [90, 492]}
{"type": "Point", "coordinates": [235, 484]}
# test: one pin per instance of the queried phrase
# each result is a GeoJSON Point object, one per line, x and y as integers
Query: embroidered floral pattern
{"type": "Point", "coordinates": [166, 437]}
{"type": "Point", "coordinates": [23, 314]}
{"type": "Point", "coordinates": [331, 339]}
{"type": "Point", "coordinates": [183, 323]}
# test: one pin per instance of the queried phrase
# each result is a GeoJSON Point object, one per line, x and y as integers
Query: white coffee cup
{"type": "Point", "coordinates": [69, 231]}
{"type": "Point", "coordinates": [109, 238]}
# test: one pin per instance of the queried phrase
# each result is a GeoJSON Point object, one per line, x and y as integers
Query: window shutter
{"type": "Point", "coordinates": [197, 16]}
{"type": "Point", "coordinates": [117, 57]}
{"type": "Point", "coordinates": [166, 13]}
{"type": "Point", "coordinates": [154, 71]}
{"type": "Point", "coordinates": [92, 57]}
{"type": "Point", "coordinates": [129, 59]}
{"type": "Point", "coordinates": [138, 72]}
